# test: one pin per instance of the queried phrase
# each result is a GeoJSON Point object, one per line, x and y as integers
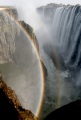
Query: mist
{"type": "Point", "coordinates": [27, 9]}
{"type": "Point", "coordinates": [19, 64]}
{"type": "Point", "coordinates": [58, 31]}
{"type": "Point", "coordinates": [60, 52]}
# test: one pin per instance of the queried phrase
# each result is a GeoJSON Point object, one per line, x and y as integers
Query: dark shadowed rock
{"type": "Point", "coordinates": [70, 111]}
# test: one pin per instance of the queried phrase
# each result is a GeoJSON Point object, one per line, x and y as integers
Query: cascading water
{"type": "Point", "coordinates": [63, 81]}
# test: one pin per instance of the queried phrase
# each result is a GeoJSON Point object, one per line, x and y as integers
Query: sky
{"type": "Point", "coordinates": [37, 3]}
{"type": "Point", "coordinates": [27, 8]}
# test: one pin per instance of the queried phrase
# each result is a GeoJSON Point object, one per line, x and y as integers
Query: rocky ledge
{"type": "Point", "coordinates": [30, 32]}
{"type": "Point", "coordinates": [10, 107]}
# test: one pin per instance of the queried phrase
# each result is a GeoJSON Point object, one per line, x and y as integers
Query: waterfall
{"type": "Point", "coordinates": [65, 30]}
{"type": "Point", "coordinates": [63, 24]}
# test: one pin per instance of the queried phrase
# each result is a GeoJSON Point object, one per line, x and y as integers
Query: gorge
{"type": "Point", "coordinates": [60, 43]}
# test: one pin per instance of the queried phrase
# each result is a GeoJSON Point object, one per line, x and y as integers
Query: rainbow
{"type": "Point", "coordinates": [40, 64]}
{"type": "Point", "coordinates": [38, 57]}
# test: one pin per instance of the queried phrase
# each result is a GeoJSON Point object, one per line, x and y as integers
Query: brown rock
{"type": "Point", "coordinates": [10, 107]}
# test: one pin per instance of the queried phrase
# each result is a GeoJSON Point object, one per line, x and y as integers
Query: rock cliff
{"type": "Point", "coordinates": [9, 32]}
{"type": "Point", "coordinates": [30, 32]}
{"type": "Point", "coordinates": [18, 56]}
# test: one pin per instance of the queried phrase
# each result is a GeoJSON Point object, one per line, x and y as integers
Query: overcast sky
{"type": "Point", "coordinates": [26, 8]}
{"type": "Point", "coordinates": [37, 3]}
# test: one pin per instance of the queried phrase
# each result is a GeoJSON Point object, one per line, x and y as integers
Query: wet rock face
{"type": "Point", "coordinates": [8, 31]}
